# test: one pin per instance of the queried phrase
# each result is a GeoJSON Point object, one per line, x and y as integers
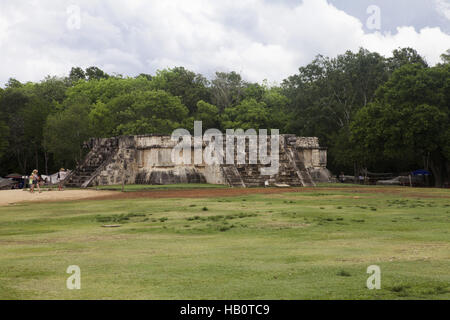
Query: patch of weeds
{"type": "Point", "coordinates": [133, 215]}
{"type": "Point", "coordinates": [439, 289]}
{"type": "Point", "coordinates": [192, 206]}
{"type": "Point", "coordinates": [398, 288]}
{"type": "Point", "coordinates": [224, 228]}
{"type": "Point", "coordinates": [119, 218]}
{"type": "Point", "coordinates": [104, 219]}
{"type": "Point", "coordinates": [339, 208]}
{"type": "Point", "coordinates": [343, 273]}
{"type": "Point", "coordinates": [205, 209]}
{"type": "Point", "coordinates": [319, 194]}
{"type": "Point", "coordinates": [241, 215]}
{"type": "Point", "coordinates": [163, 219]}
{"type": "Point", "coordinates": [359, 220]}
{"type": "Point", "coordinates": [401, 290]}
{"type": "Point", "coordinates": [215, 218]}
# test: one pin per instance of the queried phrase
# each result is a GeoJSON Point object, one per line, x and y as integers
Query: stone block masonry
{"type": "Point", "coordinates": [147, 159]}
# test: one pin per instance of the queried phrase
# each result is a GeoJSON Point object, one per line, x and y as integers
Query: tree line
{"type": "Point", "coordinates": [383, 114]}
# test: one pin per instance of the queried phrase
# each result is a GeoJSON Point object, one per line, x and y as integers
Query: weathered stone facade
{"type": "Point", "coordinates": [147, 160]}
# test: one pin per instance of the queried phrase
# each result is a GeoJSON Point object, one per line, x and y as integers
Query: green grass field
{"type": "Point", "coordinates": [306, 245]}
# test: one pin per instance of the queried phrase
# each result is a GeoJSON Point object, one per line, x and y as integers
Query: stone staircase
{"type": "Point", "coordinates": [251, 175]}
{"type": "Point", "coordinates": [291, 172]}
{"type": "Point", "coordinates": [299, 167]}
{"type": "Point", "coordinates": [233, 176]}
{"type": "Point", "coordinates": [97, 158]}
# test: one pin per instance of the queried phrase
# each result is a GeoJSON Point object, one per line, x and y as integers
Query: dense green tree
{"type": "Point", "coordinates": [76, 74]}
{"type": "Point", "coordinates": [445, 57]}
{"type": "Point", "coordinates": [408, 121]}
{"type": "Point", "coordinates": [156, 112]}
{"type": "Point", "coordinates": [327, 93]}
{"type": "Point", "coordinates": [278, 108]}
{"type": "Point", "coordinates": [254, 90]}
{"type": "Point", "coordinates": [65, 132]}
{"type": "Point", "coordinates": [4, 135]}
{"type": "Point", "coordinates": [208, 114]}
{"type": "Point", "coordinates": [94, 73]}
{"type": "Point", "coordinates": [384, 114]}
{"type": "Point", "coordinates": [52, 89]}
{"type": "Point", "coordinates": [187, 85]}
{"type": "Point", "coordinates": [13, 83]}
{"type": "Point", "coordinates": [105, 90]}
{"type": "Point", "coordinates": [12, 109]}
{"type": "Point", "coordinates": [145, 75]}
{"type": "Point", "coordinates": [405, 56]}
{"type": "Point", "coordinates": [227, 89]}
{"type": "Point", "coordinates": [249, 114]}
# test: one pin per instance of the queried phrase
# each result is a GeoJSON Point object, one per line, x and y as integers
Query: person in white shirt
{"type": "Point", "coordinates": [61, 176]}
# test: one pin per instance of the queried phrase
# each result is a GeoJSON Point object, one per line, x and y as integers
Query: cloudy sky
{"type": "Point", "coordinates": [261, 39]}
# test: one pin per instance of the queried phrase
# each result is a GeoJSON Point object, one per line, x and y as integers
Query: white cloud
{"type": "Point", "coordinates": [443, 7]}
{"type": "Point", "coordinates": [260, 39]}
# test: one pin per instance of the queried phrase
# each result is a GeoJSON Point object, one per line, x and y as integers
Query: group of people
{"type": "Point", "coordinates": [35, 180]}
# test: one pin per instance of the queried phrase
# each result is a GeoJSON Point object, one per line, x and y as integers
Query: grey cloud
{"type": "Point", "coordinates": [262, 39]}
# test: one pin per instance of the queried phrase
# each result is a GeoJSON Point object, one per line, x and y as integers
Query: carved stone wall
{"type": "Point", "coordinates": [148, 160]}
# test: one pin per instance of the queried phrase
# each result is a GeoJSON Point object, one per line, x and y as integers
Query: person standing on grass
{"type": "Point", "coordinates": [34, 181]}
{"type": "Point", "coordinates": [61, 176]}
{"type": "Point", "coordinates": [342, 177]}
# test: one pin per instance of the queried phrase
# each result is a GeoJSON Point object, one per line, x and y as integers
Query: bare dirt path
{"type": "Point", "coordinates": [15, 196]}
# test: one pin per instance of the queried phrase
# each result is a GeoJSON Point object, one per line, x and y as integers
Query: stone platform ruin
{"type": "Point", "coordinates": [146, 159]}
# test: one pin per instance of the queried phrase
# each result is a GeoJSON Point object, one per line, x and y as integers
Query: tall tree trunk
{"type": "Point", "coordinates": [46, 162]}
{"type": "Point", "coordinates": [438, 173]}
{"type": "Point", "coordinates": [22, 162]}
{"type": "Point", "coordinates": [37, 158]}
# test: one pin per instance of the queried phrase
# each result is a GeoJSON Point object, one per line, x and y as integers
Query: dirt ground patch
{"type": "Point", "coordinates": [213, 193]}
{"type": "Point", "coordinates": [196, 193]}
{"type": "Point", "coordinates": [16, 196]}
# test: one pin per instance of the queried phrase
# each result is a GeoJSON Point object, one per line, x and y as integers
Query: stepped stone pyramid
{"type": "Point", "coordinates": [146, 159]}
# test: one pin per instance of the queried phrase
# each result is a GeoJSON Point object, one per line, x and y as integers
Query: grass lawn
{"type": "Point", "coordinates": [304, 245]}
